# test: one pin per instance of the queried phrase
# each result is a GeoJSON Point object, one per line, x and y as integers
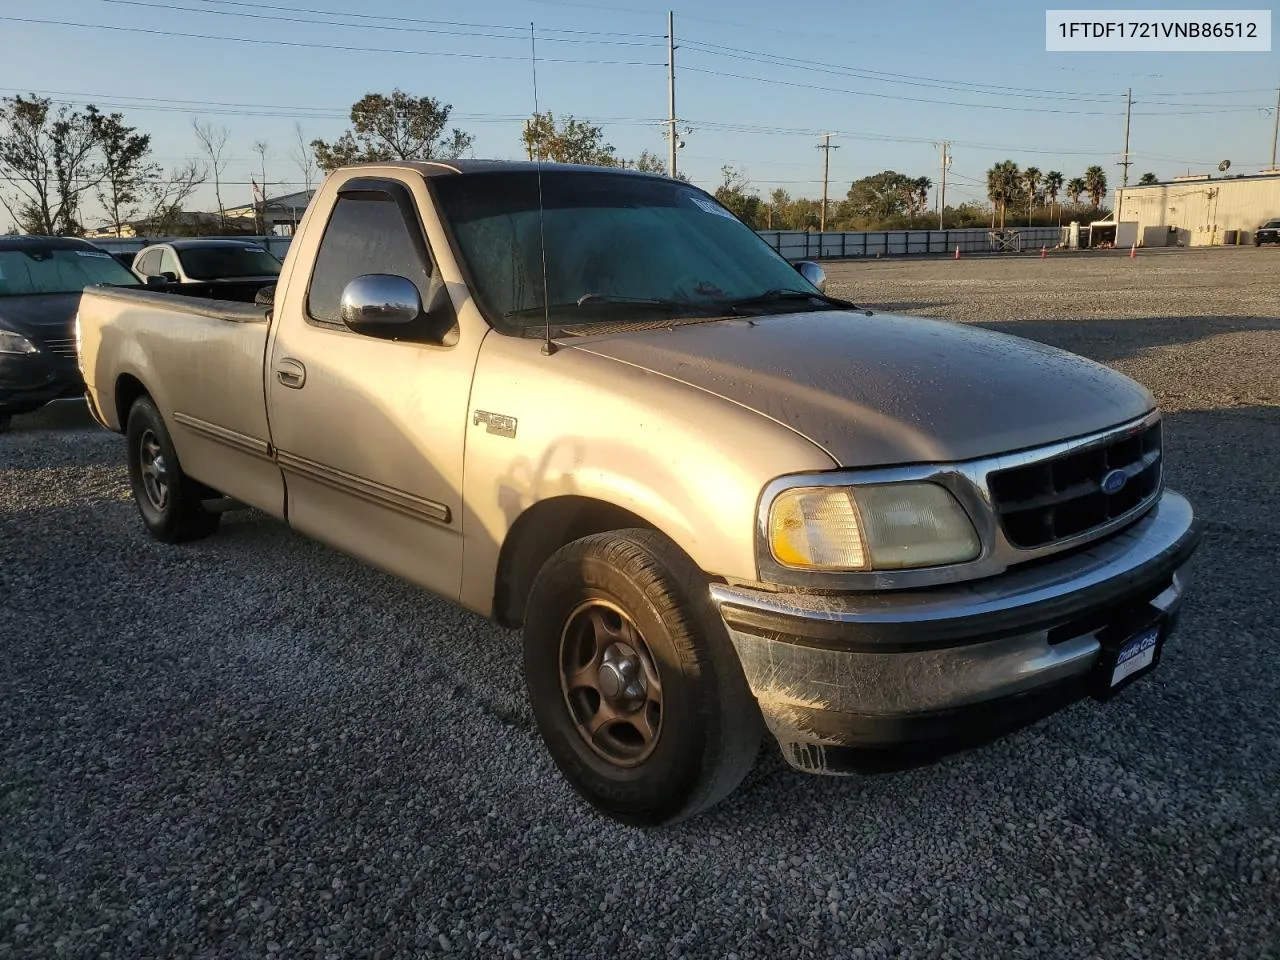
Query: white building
{"type": "Point", "coordinates": [280, 215]}
{"type": "Point", "coordinates": [1201, 210]}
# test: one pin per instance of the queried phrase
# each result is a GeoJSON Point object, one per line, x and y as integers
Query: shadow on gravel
{"type": "Point", "coordinates": [903, 306]}
{"type": "Point", "coordinates": [1108, 340]}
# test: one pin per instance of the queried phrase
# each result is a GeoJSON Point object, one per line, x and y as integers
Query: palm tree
{"type": "Point", "coordinates": [1075, 187]}
{"type": "Point", "coordinates": [1095, 184]}
{"type": "Point", "coordinates": [1147, 179]}
{"type": "Point", "coordinates": [922, 187]}
{"type": "Point", "coordinates": [1031, 177]}
{"type": "Point", "coordinates": [1004, 181]}
{"type": "Point", "coordinates": [1053, 187]}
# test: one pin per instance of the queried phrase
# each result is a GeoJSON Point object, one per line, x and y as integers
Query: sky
{"type": "Point", "coordinates": [756, 82]}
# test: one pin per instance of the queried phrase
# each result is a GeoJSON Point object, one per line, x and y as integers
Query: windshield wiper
{"type": "Point", "coordinates": [782, 295]}
{"type": "Point", "coordinates": [612, 303]}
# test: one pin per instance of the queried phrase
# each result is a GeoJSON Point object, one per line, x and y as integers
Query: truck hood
{"type": "Point", "coordinates": [884, 389]}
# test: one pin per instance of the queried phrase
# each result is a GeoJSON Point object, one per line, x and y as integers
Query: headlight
{"type": "Point", "coordinates": [15, 343]}
{"type": "Point", "coordinates": [876, 527]}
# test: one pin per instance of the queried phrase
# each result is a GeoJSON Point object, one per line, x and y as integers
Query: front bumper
{"type": "Point", "coordinates": [833, 673]}
{"type": "Point", "coordinates": [30, 380]}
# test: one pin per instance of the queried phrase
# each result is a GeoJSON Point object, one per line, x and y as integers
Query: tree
{"type": "Point", "coordinates": [738, 196]}
{"type": "Point", "coordinates": [304, 157]}
{"type": "Point", "coordinates": [1147, 179]}
{"type": "Point", "coordinates": [648, 162]}
{"type": "Point", "coordinates": [166, 196]}
{"type": "Point", "coordinates": [1095, 184]}
{"type": "Point", "coordinates": [879, 197]}
{"type": "Point", "coordinates": [395, 127]}
{"type": "Point", "coordinates": [260, 147]}
{"type": "Point", "coordinates": [1075, 188]}
{"type": "Point", "coordinates": [1031, 177]}
{"type": "Point", "coordinates": [918, 196]}
{"type": "Point", "coordinates": [127, 170]}
{"type": "Point", "coordinates": [569, 141]}
{"type": "Point", "coordinates": [48, 160]}
{"type": "Point", "coordinates": [1052, 187]}
{"type": "Point", "coordinates": [1004, 183]}
{"type": "Point", "coordinates": [213, 140]}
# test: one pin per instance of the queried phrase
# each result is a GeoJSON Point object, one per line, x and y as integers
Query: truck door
{"type": "Point", "coordinates": [367, 430]}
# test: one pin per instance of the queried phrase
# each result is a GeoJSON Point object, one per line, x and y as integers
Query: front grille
{"type": "Point", "coordinates": [1050, 500]}
{"type": "Point", "coordinates": [59, 348]}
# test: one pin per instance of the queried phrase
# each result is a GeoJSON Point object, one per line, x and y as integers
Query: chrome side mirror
{"type": "Point", "coordinates": [813, 273]}
{"type": "Point", "coordinates": [379, 300]}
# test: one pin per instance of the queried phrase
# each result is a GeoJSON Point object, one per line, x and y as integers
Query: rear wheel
{"type": "Point", "coordinates": [168, 500]}
{"type": "Point", "coordinates": [635, 685]}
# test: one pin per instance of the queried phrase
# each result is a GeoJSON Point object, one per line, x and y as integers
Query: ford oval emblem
{"type": "Point", "coordinates": [1114, 481]}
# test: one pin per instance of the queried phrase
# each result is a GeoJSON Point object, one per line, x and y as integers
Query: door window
{"type": "Point", "coordinates": [367, 233]}
{"type": "Point", "coordinates": [168, 262]}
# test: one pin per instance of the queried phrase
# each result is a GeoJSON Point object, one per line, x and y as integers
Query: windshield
{"type": "Point", "coordinates": [1271, 224]}
{"type": "Point", "coordinates": [226, 263]}
{"type": "Point", "coordinates": [36, 270]}
{"type": "Point", "coordinates": [665, 248]}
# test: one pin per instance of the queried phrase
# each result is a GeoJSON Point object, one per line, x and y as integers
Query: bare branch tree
{"type": "Point", "coordinates": [213, 140]}
{"type": "Point", "coordinates": [260, 147]}
{"type": "Point", "coordinates": [304, 157]}
{"type": "Point", "coordinates": [168, 194]}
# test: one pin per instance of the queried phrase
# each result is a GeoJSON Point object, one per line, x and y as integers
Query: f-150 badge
{"type": "Point", "coordinates": [496, 423]}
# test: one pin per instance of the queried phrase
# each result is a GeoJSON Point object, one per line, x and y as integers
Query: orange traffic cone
{"type": "Point", "coordinates": [957, 256]}
{"type": "Point", "coordinates": [1043, 253]}
{"type": "Point", "coordinates": [1133, 251]}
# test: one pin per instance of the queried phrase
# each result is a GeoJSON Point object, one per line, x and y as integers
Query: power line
{"type": "Point", "coordinates": [370, 26]}
{"type": "Point", "coordinates": [444, 23]}
{"type": "Point", "coordinates": [321, 46]}
{"type": "Point", "coordinates": [948, 103]}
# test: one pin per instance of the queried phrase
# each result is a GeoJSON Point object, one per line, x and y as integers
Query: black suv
{"type": "Point", "coordinates": [1269, 232]}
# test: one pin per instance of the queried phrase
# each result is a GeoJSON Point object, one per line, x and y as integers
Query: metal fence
{"type": "Point", "coordinates": [799, 245]}
{"type": "Point", "coordinates": [794, 244]}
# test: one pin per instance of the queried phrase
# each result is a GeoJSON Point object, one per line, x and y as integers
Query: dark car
{"type": "Point", "coordinates": [221, 269]}
{"type": "Point", "coordinates": [1269, 232]}
{"type": "Point", "coordinates": [40, 283]}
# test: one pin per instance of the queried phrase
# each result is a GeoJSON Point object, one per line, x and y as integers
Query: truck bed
{"type": "Point", "coordinates": [201, 361]}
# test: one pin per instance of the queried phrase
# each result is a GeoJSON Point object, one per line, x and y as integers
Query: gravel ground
{"type": "Point", "coordinates": [256, 747]}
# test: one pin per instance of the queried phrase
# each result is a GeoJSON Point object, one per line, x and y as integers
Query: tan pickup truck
{"type": "Point", "coordinates": [592, 403]}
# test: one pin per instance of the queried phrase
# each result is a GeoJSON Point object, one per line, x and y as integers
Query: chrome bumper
{"type": "Point", "coordinates": [874, 669]}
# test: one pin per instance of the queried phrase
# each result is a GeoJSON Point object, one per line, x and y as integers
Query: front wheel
{"type": "Point", "coordinates": [635, 685]}
{"type": "Point", "coordinates": [168, 500]}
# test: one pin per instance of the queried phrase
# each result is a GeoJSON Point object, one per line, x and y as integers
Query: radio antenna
{"type": "Point", "coordinates": [548, 347]}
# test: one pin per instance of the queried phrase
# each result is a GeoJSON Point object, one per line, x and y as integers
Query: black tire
{"type": "Point", "coordinates": [5, 420]}
{"type": "Point", "coordinates": [708, 724]}
{"type": "Point", "coordinates": [168, 500]}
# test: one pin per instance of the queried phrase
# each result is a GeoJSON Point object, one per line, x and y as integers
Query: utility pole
{"type": "Point", "coordinates": [671, 94]}
{"type": "Point", "coordinates": [826, 148]}
{"type": "Point", "coordinates": [1275, 132]}
{"type": "Point", "coordinates": [942, 189]}
{"type": "Point", "coordinates": [1124, 182]}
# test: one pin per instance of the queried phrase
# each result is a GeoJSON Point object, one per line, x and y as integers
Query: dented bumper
{"type": "Point", "coordinates": [836, 673]}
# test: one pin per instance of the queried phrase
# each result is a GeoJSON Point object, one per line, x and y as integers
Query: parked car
{"type": "Point", "coordinates": [595, 404]}
{"type": "Point", "coordinates": [40, 283]}
{"type": "Point", "coordinates": [1269, 232]}
{"type": "Point", "coordinates": [205, 267]}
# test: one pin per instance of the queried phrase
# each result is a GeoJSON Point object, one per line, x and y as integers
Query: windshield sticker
{"type": "Point", "coordinates": [709, 207]}
{"type": "Point", "coordinates": [93, 253]}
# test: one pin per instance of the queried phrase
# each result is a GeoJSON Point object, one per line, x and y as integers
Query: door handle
{"type": "Point", "coordinates": [291, 373]}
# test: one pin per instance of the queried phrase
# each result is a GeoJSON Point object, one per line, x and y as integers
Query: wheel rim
{"type": "Point", "coordinates": [610, 683]}
{"type": "Point", "coordinates": [155, 472]}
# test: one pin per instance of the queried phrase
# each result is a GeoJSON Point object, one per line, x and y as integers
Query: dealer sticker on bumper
{"type": "Point", "coordinates": [1137, 654]}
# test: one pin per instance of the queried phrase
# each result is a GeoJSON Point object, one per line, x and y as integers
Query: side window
{"type": "Point", "coordinates": [147, 263]}
{"type": "Point", "coordinates": [367, 233]}
{"type": "Point", "coordinates": [168, 262]}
